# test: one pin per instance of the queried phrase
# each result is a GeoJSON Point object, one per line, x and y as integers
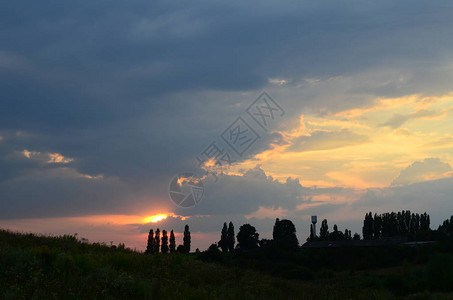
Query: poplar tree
{"type": "Point", "coordinates": [172, 242]}
{"type": "Point", "coordinates": [223, 243]}
{"type": "Point", "coordinates": [324, 230]}
{"type": "Point", "coordinates": [157, 240]}
{"type": "Point", "coordinates": [186, 239]}
{"type": "Point", "coordinates": [230, 237]}
{"type": "Point", "coordinates": [367, 230]}
{"type": "Point", "coordinates": [164, 246]}
{"type": "Point", "coordinates": [150, 244]}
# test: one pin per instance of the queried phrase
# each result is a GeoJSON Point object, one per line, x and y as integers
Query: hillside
{"type": "Point", "coordinates": [40, 267]}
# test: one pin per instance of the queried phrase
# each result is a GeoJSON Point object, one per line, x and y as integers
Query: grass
{"type": "Point", "coordinates": [40, 267]}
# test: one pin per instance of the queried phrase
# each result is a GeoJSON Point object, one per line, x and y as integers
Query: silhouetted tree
{"type": "Point", "coordinates": [157, 240]}
{"type": "Point", "coordinates": [377, 226]}
{"type": "Point", "coordinates": [181, 249]}
{"type": "Point", "coordinates": [186, 240]}
{"type": "Point", "coordinates": [213, 248]}
{"type": "Point", "coordinates": [415, 224]}
{"type": "Point", "coordinates": [265, 243]}
{"type": "Point", "coordinates": [172, 242]}
{"type": "Point", "coordinates": [407, 221]}
{"type": "Point", "coordinates": [400, 222]}
{"type": "Point", "coordinates": [164, 246]}
{"type": "Point", "coordinates": [212, 253]}
{"type": "Point", "coordinates": [392, 224]}
{"type": "Point", "coordinates": [424, 222]}
{"type": "Point", "coordinates": [356, 237]}
{"type": "Point", "coordinates": [247, 237]}
{"type": "Point", "coordinates": [336, 235]}
{"type": "Point", "coordinates": [223, 243]}
{"type": "Point", "coordinates": [121, 246]}
{"type": "Point", "coordinates": [347, 235]}
{"type": "Point", "coordinates": [446, 229]}
{"type": "Point", "coordinates": [230, 237]}
{"type": "Point", "coordinates": [367, 229]}
{"type": "Point", "coordinates": [150, 244]}
{"type": "Point", "coordinates": [324, 230]}
{"type": "Point", "coordinates": [389, 225]}
{"type": "Point", "coordinates": [284, 234]}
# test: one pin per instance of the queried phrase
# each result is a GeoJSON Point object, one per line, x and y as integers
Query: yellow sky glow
{"type": "Point", "coordinates": [154, 218]}
{"type": "Point", "coordinates": [364, 147]}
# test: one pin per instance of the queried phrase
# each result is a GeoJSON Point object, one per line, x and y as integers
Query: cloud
{"type": "Point", "coordinates": [445, 141]}
{"type": "Point", "coordinates": [62, 192]}
{"type": "Point", "coordinates": [246, 193]}
{"type": "Point", "coordinates": [433, 196]}
{"type": "Point", "coordinates": [428, 169]}
{"type": "Point", "coordinates": [135, 54]}
{"type": "Point", "coordinates": [324, 140]}
{"type": "Point", "coordinates": [46, 157]}
{"type": "Point", "coordinates": [152, 83]}
{"type": "Point", "coordinates": [11, 62]}
{"type": "Point", "coordinates": [398, 120]}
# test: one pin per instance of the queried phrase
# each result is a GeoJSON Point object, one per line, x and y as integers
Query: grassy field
{"type": "Point", "coordinates": [37, 267]}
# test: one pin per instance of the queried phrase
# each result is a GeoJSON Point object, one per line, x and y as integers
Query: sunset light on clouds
{"type": "Point", "coordinates": [99, 114]}
{"type": "Point", "coordinates": [364, 148]}
{"type": "Point", "coordinates": [154, 219]}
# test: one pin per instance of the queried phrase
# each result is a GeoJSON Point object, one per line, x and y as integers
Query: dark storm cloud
{"type": "Point", "coordinates": [134, 90]}
{"type": "Point", "coordinates": [92, 63]}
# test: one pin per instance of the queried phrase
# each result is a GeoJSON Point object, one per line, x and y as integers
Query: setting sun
{"type": "Point", "coordinates": [155, 218]}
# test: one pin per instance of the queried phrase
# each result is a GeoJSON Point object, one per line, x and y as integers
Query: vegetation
{"type": "Point", "coordinates": [413, 226]}
{"type": "Point", "coordinates": [157, 241]}
{"type": "Point", "coordinates": [39, 267]}
{"type": "Point", "coordinates": [284, 234]}
{"type": "Point", "coordinates": [172, 242]}
{"type": "Point", "coordinates": [248, 238]}
{"type": "Point", "coordinates": [164, 247]}
{"type": "Point", "coordinates": [186, 239]}
{"type": "Point", "coordinates": [445, 231]}
{"type": "Point", "coordinates": [230, 237]}
{"type": "Point", "coordinates": [150, 245]}
{"type": "Point", "coordinates": [223, 243]}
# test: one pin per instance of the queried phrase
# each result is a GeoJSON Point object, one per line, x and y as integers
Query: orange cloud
{"type": "Point", "coordinates": [352, 148]}
{"type": "Point", "coordinates": [154, 218]}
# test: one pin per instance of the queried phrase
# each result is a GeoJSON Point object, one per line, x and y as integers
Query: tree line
{"type": "Point", "coordinates": [393, 224]}
{"type": "Point", "coordinates": [284, 236]}
{"type": "Point", "coordinates": [377, 226]}
{"type": "Point", "coordinates": [155, 243]}
{"type": "Point", "coordinates": [335, 235]}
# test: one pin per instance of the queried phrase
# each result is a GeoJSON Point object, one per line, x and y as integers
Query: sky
{"type": "Point", "coordinates": [103, 104]}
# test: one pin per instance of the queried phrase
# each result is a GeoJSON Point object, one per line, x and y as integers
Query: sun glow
{"type": "Point", "coordinates": [155, 218]}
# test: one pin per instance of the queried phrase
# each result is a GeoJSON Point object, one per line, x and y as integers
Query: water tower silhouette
{"type": "Point", "coordinates": [314, 220]}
